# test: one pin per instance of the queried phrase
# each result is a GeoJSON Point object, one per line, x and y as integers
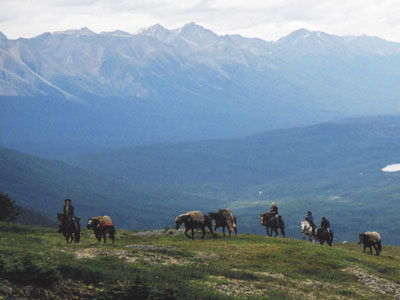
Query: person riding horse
{"type": "Point", "coordinates": [325, 224]}
{"type": "Point", "coordinates": [310, 219]}
{"type": "Point", "coordinates": [274, 212]}
{"type": "Point", "coordinates": [69, 212]}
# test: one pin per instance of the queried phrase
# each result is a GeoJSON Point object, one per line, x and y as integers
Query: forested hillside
{"type": "Point", "coordinates": [333, 169]}
{"type": "Point", "coordinates": [43, 185]}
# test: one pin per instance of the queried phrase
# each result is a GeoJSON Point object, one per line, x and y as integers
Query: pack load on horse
{"type": "Point", "coordinates": [194, 220]}
{"type": "Point", "coordinates": [68, 224]}
{"type": "Point", "coordinates": [324, 234]}
{"type": "Point", "coordinates": [101, 226]}
{"type": "Point", "coordinates": [224, 218]}
{"type": "Point", "coordinates": [371, 239]}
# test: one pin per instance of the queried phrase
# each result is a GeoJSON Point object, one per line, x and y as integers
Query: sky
{"type": "Point", "coordinates": [268, 20]}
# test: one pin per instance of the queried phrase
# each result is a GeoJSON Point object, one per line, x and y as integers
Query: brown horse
{"type": "Point", "coordinates": [371, 239]}
{"type": "Point", "coordinates": [101, 230]}
{"type": "Point", "coordinates": [268, 220]}
{"type": "Point", "coordinates": [71, 231]}
{"type": "Point", "coordinates": [324, 236]}
{"type": "Point", "coordinates": [222, 221]}
{"type": "Point", "coordinates": [193, 221]}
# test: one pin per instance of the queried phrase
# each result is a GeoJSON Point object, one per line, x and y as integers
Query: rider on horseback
{"type": "Point", "coordinates": [274, 212]}
{"type": "Point", "coordinates": [69, 212]}
{"type": "Point", "coordinates": [325, 224]}
{"type": "Point", "coordinates": [310, 219]}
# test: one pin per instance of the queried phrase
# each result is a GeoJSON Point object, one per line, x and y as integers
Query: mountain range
{"type": "Point", "coordinates": [161, 85]}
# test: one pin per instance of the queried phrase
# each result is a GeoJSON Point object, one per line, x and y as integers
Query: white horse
{"type": "Point", "coordinates": [306, 229]}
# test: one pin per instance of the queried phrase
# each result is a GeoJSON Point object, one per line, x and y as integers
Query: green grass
{"type": "Point", "coordinates": [170, 267]}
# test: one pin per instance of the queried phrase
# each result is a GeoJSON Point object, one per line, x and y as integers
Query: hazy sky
{"type": "Point", "coordinates": [269, 19]}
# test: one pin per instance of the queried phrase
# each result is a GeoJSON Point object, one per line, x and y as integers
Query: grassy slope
{"type": "Point", "coordinates": [176, 267]}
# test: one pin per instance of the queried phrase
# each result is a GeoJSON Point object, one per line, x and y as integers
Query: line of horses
{"type": "Point", "coordinates": [223, 218]}
{"type": "Point", "coordinates": [272, 225]}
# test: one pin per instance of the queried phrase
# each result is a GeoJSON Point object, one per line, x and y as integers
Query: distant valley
{"type": "Point", "coordinates": [333, 169]}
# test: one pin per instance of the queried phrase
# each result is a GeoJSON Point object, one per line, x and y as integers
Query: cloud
{"type": "Point", "coordinates": [264, 19]}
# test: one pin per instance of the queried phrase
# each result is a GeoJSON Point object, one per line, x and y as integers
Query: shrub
{"type": "Point", "coordinates": [26, 271]}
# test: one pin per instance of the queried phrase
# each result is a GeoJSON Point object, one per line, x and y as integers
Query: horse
{"type": "Point", "coordinates": [194, 220]}
{"type": "Point", "coordinates": [221, 220]}
{"type": "Point", "coordinates": [68, 228]}
{"type": "Point", "coordinates": [371, 239]}
{"type": "Point", "coordinates": [324, 236]}
{"type": "Point", "coordinates": [306, 229]}
{"type": "Point", "coordinates": [268, 220]}
{"type": "Point", "coordinates": [101, 230]}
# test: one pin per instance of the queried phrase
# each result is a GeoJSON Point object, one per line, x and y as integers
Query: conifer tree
{"type": "Point", "coordinates": [8, 210]}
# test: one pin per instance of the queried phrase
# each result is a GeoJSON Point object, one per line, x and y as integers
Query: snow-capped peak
{"type": "Point", "coordinates": [76, 32]}
{"type": "Point", "coordinates": [196, 33]}
{"type": "Point", "coordinates": [3, 36]}
{"type": "Point", "coordinates": [117, 33]}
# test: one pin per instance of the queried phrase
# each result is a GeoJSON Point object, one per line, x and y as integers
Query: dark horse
{"type": "Point", "coordinates": [101, 230]}
{"type": "Point", "coordinates": [191, 223]}
{"type": "Point", "coordinates": [270, 224]}
{"type": "Point", "coordinates": [324, 236]}
{"type": "Point", "coordinates": [369, 240]}
{"type": "Point", "coordinates": [221, 221]}
{"type": "Point", "coordinates": [68, 228]}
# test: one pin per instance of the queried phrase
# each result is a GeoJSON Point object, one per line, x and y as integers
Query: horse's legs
{"type": "Point", "coordinates": [376, 250]}
{"type": "Point", "coordinates": [104, 236]}
{"type": "Point", "coordinates": [213, 233]}
{"type": "Point", "coordinates": [223, 230]}
{"type": "Point", "coordinates": [186, 230]}
{"type": "Point", "coordinates": [204, 231]}
{"type": "Point", "coordinates": [276, 231]}
{"type": "Point", "coordinates": [112, 234]}
{"type": "Point", "coordinates": [192, 233]}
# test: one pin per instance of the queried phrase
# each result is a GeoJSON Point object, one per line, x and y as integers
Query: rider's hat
{"type": "Point", "coordinates": [309, 212]}
{"type": "Point", "coordinates": [67, 200]}
{"type": "Point", "coordinates": [273, 203]}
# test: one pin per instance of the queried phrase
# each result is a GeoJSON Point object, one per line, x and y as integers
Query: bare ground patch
{"type": "Point", "coordinates": [152, 258]}
{"type": "Point", "coordinates": [375, 283]}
